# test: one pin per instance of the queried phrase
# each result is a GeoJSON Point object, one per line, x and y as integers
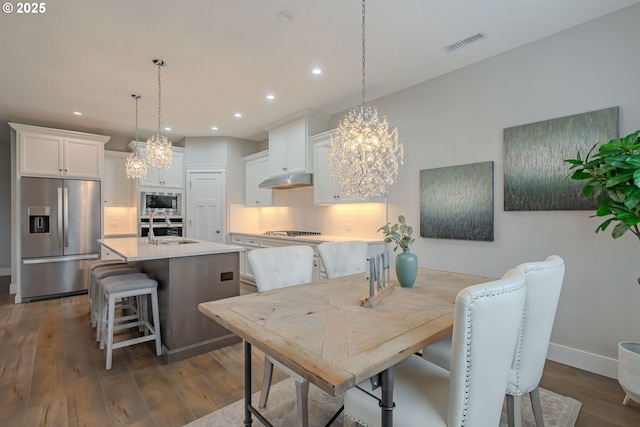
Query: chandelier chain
{"type": "Point", "coordinates": [136, 97]}
{"type": "Point", "coordinates": [363, 54]}
{"type": "Point", "coordinates": [160, 64]}
{"type": "Point", "coordinates": [159, 151]}
{"type": "Point", "coordinates": [136, 165]}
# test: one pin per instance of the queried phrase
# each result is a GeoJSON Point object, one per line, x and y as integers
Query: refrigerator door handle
{"type": "Point", "coordinates": [59, 217]}
{"type": "Point", "coordinates": [66, 217]}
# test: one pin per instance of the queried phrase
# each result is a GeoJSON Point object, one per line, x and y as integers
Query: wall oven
{"type": "Point", "coordinates": [171, 203]}
{"type": "Point", "coordinates": [160, 226]}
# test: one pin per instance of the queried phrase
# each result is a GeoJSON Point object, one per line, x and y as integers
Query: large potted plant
{"type": "Point", "coordinates": [612, 172]}
{"type": "Point", "coordinates": [406, 262]}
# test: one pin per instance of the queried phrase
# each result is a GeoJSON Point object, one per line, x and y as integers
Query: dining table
{"type": "Point", "coordinates": [321, 331]}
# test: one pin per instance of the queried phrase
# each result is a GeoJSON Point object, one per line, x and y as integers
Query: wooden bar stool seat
{"type": "Point", "coordinates": [127, 286]}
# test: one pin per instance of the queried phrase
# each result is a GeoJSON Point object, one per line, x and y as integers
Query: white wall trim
{"type": "Point", "coordinates": [584, 360]}
{"type": "Point", "coordinates": [5, 271]}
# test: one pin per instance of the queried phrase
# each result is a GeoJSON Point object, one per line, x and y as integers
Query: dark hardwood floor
{"type": "Point", "coordinates": [53, 374]}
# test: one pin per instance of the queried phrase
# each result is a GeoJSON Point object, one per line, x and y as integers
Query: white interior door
{"type": "Point", "coordinates": [206, 206]}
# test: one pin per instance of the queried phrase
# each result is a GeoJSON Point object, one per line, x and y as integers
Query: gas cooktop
{"type": "Point", "coordinates": [292, 233]}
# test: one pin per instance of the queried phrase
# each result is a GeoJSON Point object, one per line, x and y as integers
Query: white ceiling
{"type": "Point", "coordinates": [224, 56]}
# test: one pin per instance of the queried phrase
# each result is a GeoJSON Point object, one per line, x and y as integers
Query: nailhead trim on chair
{"type": "Point", "coordinates": [521, 337]}
{"type": "Point", "coordinates": [468, 352]}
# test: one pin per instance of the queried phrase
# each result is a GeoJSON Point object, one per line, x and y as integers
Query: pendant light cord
{"type": "Point", "coordinates": [160, 64]}
{"type": "Point", "coordinates": [136, 97]}
{"type": "Point", "coordinates": [363, 56]}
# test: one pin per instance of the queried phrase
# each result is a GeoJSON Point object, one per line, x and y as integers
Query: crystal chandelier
{"type": "Point", "coordinates": [364, 154]}
{"type": "Point", "coordinates": [159, 151]}
{"type": "Point", "coordinates": [136, 165]}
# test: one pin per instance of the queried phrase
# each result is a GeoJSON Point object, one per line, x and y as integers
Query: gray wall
{"type": "Point", "coordinates": [459, 119]}
{"type": "Point", "coordinates": [222, 151]}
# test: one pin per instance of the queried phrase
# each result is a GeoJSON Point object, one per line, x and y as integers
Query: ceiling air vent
{"type": "Point", "coordinates": [465, 42]}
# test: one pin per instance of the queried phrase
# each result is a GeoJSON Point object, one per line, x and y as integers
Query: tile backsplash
{"type": "Point", "coordinates": [349, 219]}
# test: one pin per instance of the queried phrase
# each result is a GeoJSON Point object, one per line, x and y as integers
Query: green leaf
{"type": "Point", "coordinates": [619, 179]}
{"type": "Point", "coordinates": [578, 175]}
{"type": "Point", "coordinates": [603, 209]}
{"type": "Point", "coordinates": [604, 225]}
{"type": "Point", "coordinates": [619, 230]}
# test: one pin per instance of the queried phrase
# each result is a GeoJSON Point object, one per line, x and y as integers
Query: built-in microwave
{"type": "Point", "coordinates": [170, 203]}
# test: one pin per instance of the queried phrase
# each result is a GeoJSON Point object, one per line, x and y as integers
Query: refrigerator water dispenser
{"type": "Point", "coordinates": [39, 219]}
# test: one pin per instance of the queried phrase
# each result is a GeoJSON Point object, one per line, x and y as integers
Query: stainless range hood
{"type": "Point", "coordinates": [284, 182]}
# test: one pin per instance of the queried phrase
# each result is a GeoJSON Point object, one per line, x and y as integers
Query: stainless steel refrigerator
{"type": "Point", "coordinates": [59, 237]}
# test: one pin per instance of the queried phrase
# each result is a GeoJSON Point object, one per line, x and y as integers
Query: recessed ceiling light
{"type": "Point", "coordinates": [237, 115]}
{"type": "Point", "coordinates": [271, 97]}
{"type": "Point", "coordinates": [77, 113]}
{"type": "Point", "coordinates": [167, 128]}
{"type": "Point", "coordinates": [316, 71]}
{"type": "Point", "coordinates": [285, 16]}
{"type": "Point", "coordinates": [214, 127]}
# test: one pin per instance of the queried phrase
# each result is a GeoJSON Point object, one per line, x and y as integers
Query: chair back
{"type": "Point", "coordinates": [283, 266]}
{"type": "Point", "coordinates": [544, 282]}
{"type": "Point", "coordinates": [485, 331]}
{"type": "Point", "coordinates": [343, 258]}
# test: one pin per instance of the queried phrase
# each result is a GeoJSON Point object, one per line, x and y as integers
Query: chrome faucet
{"type": "Point", "coordinates": [151, 237]}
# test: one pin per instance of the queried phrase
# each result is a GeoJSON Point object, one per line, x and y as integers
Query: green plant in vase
{"type": "Point", "coordinates": [406, 262]}
{"type": "Point", "coordinates": [613, 173]}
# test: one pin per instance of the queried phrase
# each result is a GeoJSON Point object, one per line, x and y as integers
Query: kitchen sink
{"type": "Point", "coordinates": [176, 242]}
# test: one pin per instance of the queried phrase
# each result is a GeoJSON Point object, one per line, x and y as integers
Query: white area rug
{"type": "Point", "coordinates": [558, 411]}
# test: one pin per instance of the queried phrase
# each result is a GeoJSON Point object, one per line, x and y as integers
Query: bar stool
{"type": "Point", "coordinates": [92, 266]}
{"type": "Point", "coordinates": [127, 286]}
{"type": "Point", "coordinates": [98, 274]}
{"type": "Point", "coordinates": [128, 304]}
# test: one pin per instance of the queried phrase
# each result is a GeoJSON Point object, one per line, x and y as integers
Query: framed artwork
{"type": "Point", "coordinates": [535, 175]}
{"type": "Point", "coordinates": [456, 202]}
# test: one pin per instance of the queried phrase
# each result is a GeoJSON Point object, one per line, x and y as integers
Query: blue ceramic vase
{"type": "Point", "coordinates": [406, 268]}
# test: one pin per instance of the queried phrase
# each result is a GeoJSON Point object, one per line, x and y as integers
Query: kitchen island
{"type": "Point", "coordinates": [188, 272]}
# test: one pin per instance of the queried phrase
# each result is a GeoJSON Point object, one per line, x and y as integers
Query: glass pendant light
{"type": "Point", "coordinates": [364, 155]}
{"type": "Point", "coordinates": [136, 165]}
{"type": "Point", "coordinates": [159, 151]}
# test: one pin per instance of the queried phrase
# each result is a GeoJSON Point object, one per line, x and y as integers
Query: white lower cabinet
{"type": "Point", "coordinates": [239, 241]}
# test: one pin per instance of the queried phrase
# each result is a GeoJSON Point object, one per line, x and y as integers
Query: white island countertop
{"type": "Point", "coordinates": [139, 249]}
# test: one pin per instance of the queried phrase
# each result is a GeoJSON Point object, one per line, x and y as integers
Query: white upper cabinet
{"type": "Point", "coordinates": [324, 191]}
{"type": "Point", "coordinates": [288, 148]}
{"type": "Point", "coordinates": [58, 153]}
{"type": "Point", "coordinates": [160, 178]}
{"type": "Point", "coordinates": [117, 189]}
{"type": "Point", "coordinates": [256, 171]}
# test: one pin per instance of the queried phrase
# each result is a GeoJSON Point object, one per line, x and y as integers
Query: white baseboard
{"type": "Point", "coordinates": [591, 362]}
{"type": "Point", "coordinates": [13, 288]}
{"type": "Point", "coordinates": [5, 271]}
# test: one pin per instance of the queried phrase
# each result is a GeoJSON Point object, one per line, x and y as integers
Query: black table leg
{"type": "Point", "coordinates": [247, 384]}
{"type": "Point", "coordinates": [386, 404]}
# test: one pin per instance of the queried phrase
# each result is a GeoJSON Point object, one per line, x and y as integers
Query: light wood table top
{"type": "Point", "coordinates": [320, 331]}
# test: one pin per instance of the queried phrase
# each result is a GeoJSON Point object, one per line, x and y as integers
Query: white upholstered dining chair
{"type": "Point", "coordinates": [485, 330]}
{"type": "Point", "coordinates": [544, 282]}
{"type": "Point", "coordinates": [343, 258]}
{"type": "Point", "coordinates": [275, 268]}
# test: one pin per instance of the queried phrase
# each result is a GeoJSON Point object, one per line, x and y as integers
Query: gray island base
{"type": "Point", "coordinates": [187, 274]}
